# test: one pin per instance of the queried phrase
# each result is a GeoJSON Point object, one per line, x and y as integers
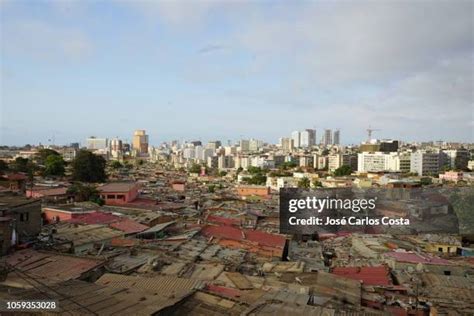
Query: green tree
{"type": "Point", "coordinates": [20, 164]}
{"type": "Point", "coordinates": [317, 183]}
{"type": "Point", "coordinates": [3, 166]}
{"type": "Point", "coordinates": [85, 192]}
{"type": "Point", "coordinates": [222, 173]}
{"type": "Point", "coordinates": [54, 166]}
{"type": "Point", "coordinates": [43, 155]}
{"type": "Point", "coordinates": [195, 168]}
{"type": "Point", "coordinates": [116, 164]}
{"type": "Point", "coordinates": [304, 183]}
{"type": "Point", "coordinates": [258, 179]}
{"type": "Point", "coordinates": [343, 171]}
{"type": "Point", "coordinates": [88, 167]}
{"type": "Point", "coordinates": [211, 188]}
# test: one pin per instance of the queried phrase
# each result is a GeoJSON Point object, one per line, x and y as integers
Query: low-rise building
{"type": "Point", "coordinates": [118, 193]}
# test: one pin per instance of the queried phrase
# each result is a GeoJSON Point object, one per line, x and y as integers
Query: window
{"type": "Point", "coordinates": [440, 249]}
{"type": "Point", "coordinates": [110, 196]}
{"type": "Point", "coordinates": [121, 197]}
{"type": "Point", "coordinates": [24, 217]}
{"type": "Point", "coordinates": [447, 272]}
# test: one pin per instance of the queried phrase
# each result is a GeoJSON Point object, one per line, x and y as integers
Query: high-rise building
{"type": "Point", "coordinates": [308, 138]}
{"type": "Point", "coordinates": [244, 145]}
{"type": "Point", "coordinates": [214, 144]}
{"type": "Point", "coordinates": [116, 148]}
{"type": "Point", "coordinates": [425, 163]}
{"type": "Point", "coordinates": [337, 137]}
{"type": "Point", "coordinates": [140, 142]}
{"type": "Point", "coordinates": [286, 144]}
{"type": "Point", "coordinates": [378, 162]}
{"type": "Point", "coordinates": [94, 143]}
{"type": "Point", "coordinates": [327, 139]}
{"type": "Point", "coordinates": [255, 144]}
{"type": "Point", "coordinates": [296, 136]}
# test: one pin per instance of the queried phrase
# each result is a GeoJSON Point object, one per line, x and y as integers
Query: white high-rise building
{"type": "Point", "coordinates": [94, 143]}
{"type": "Point", "coordinates": [308, 138]}
{"type": "Point", "coordinates": [296, 136]}
{"type": "Point", "coordinates": [378, 162]}
{"type": "Point", "coordinates": [425, 163]}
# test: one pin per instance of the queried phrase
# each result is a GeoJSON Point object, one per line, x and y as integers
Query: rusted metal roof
{"type": "Point", "coordinates": [167, 286]}
{"type": "Point", "coordinates": [367, 275]}
{"type": "Point", "coordinates": [52, 266]}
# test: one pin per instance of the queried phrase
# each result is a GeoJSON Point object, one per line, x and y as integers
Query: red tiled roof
{"type": "Point", "coordinates": [412, 257]}
{"type": "Point", "coordinates": [256, 236]}
{"type": "Point", "coordinates": [368, 275]}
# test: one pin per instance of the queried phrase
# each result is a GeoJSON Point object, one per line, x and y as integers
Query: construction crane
{"type": "Point", "coordinates": [369, 132]}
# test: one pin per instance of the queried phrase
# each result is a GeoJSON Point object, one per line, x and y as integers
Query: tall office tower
{"type": "Point", "coordinates": [94, 143]}
{"type": "Point", "coordinates": [244, 145]}
{"type": "Point", "coordinates": [327, 137]}
{"type": "Point", "coordinates": [116, 147]}
{"type": "Point", "coordinates": [255, 144]}
{"type": "Point", "coordinates": [286, 144]}
{"type": "Point", "coordinates": [214, 144]}
{"type": "Point", "coordinates": [336, 138]}
{"type": "Point", "coordinates": [308, 138]}
{"type": "Point", "coordinates": [296, 136]}
{"type": "Point", "coordinates": [140, 141]}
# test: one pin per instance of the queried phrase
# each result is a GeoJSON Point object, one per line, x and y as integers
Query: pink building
{"type": "Point", "coordinates": [118, 193]}
{"type": "Point", "coordinates": [63, 213]}
{"type": "Point", "coordinates": [453, 176]}
{"type": "Point", "coordinates": [178, 186]}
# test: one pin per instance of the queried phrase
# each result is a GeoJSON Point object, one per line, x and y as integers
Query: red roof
{"type": "Point", "coordinates": [412, 257]}
{"type": "Point", "coordinates": [223, 220]}
{"type": "Point", "coordinates": [367, 275]}
{"type": "Point", "coordinates": [223, 291]}
{"type": "Point", "coordinates": [95, 218]}
{"type": "Point", "coordinates": [126, 225]}
{"type": "Point", "coordinates": [256, 236]}
{"type": "Point", "coordinates": [129, 226]}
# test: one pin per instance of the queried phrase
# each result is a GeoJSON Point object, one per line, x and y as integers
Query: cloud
{"type": "Point", "coordinates": [41, 40]}
{"type": "Point", "coordinates": [210, 48]}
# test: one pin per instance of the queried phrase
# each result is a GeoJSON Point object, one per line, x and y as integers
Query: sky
{"type": "Point", "coordinates": [227, 70]}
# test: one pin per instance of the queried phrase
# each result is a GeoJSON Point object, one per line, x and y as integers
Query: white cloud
{"type": "Point", "coordinates": [41, 40]}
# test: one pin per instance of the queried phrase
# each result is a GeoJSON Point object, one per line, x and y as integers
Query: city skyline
{"type": "Point", "coordinates": [213, 70]}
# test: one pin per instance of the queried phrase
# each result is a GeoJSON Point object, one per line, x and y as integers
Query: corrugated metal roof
{"type": "Point", "coordinates": [52, 265]}
{"type": "Point", "coordinates": [161, 285]}
{"type": "Point", "coordinates": [412, 257]}
{"type": "Point", "coordinates": [367, 275]}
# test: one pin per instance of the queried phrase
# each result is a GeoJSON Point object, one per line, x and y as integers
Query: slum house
{"type": "Point", "coordinates": [50, 267]}
{"type": "Point", "coordinates": [261, 243]}
{"type": "Point", "coordinates": [23, 216]}
{"type": "Point", "coordinates": [84, 238]}
{"type": "Point", "coordinates": [118, 193]}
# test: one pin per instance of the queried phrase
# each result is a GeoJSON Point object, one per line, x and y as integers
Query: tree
{"type": "Point", "coordinates": [3, 166]}
{"type": "Point", "coordinates": [43, 155]}
{"type": "Point", "coordinates": [85, 192]}
{"type": "Point", "coordinates": [195, 168]}
{"type": "Point", "coordinates": [211, 188]}
{"type": "Point", "coordinates": [343, 171]}
{"type": "Point", "coordinates": [317, 183]}
{"type": "Point", "coordinates": [304, 183]}
{"type": "Point", "coordinates": [116, 164]}
{"type": "Point", "coordinates": [222, 173]}
{"type": "Point", "coordinates": [20, 164]}
{"type": "Point", "coordinates": [54, 166]}
{"type": "Point", "coordinates": [88, 167]}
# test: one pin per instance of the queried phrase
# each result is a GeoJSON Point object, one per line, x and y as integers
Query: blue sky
{"type": "Point", "coordinates": [225, 70]}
